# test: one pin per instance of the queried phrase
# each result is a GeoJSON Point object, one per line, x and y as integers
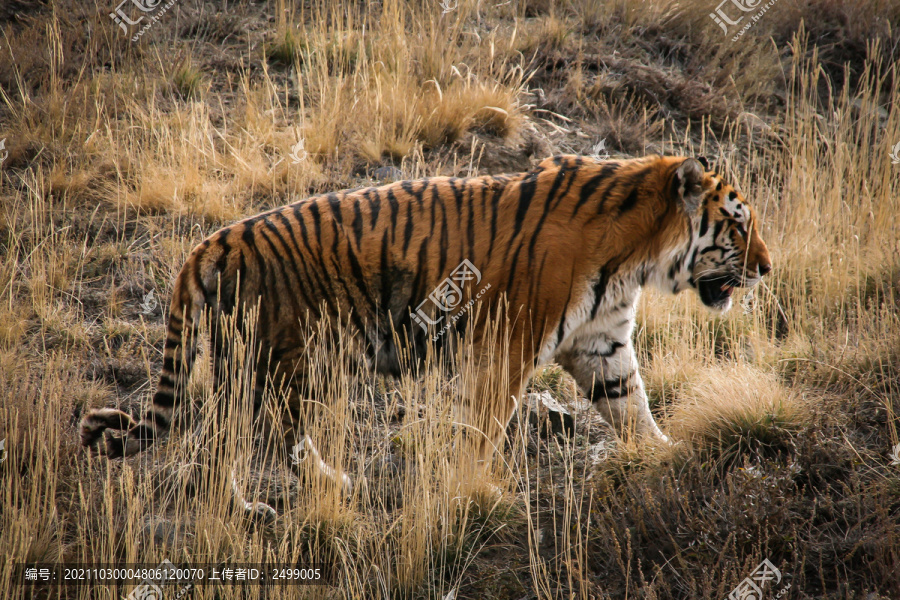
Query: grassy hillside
{"type": "Point", "coordinates": [118, 156]}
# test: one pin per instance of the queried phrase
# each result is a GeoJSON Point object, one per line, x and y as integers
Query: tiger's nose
{"type": "Point", "coordinates": [764, 268]}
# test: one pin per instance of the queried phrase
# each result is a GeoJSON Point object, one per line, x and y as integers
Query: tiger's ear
{"type": "Point", "coordinates": [705, 162]}
{"type": "Point", "coordinates": [688, 184]}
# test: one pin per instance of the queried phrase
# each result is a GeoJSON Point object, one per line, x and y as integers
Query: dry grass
{"type": "Point", "coordinates": [124, 155]}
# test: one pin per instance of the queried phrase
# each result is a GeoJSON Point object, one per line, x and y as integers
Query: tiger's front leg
{"type": "Point", "coordinates": [607, 372]}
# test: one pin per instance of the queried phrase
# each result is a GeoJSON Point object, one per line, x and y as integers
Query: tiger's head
{"type": "Point", "coordinates": [726, 250]}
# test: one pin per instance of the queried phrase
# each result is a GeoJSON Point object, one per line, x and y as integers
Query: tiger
{"type": "Point", "coordinates": [565, 247]}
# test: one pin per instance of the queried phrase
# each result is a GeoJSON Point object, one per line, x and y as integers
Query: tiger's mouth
{"type": "Point", "coordinates": [715, 292]}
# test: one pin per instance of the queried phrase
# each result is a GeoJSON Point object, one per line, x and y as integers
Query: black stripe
{"type": "Point", "coordinates": [457, 194]}
{"type": "Point", "coordinates": [334, 203]}
{"type": "Point", "coordinates": [470, 223]}
{"type": "Point", "coordinates": [312, 276]}
{"type": "Point", "coordinates": [717, 229]}
{"type": "Point", "coordinates": [359, 276]}
{"type": "Point", "coordinates": [418, 194]}
{"type": "Point", "coordinates": [208, 296]}
{"type": "Point", "coordinates": [317, 220]}
{"type": "Point", "coordinates": [565, 192]}
{"type": "Point", "coordinates": [562, 321]}
{"type": "Point", "coordinates": [295, 253]}
{"type": "Point", "coordinates": [590, 186]}
{"type": "Point", "coordinates": [164, 399]}
{"type": "Point", "coordinates": [704, 223]}
{"type": "Point", "coordinates": [354, 314]}
{"type": "Point", "coordinates": [357, 221]}
{"type": "Point", "coordinates": [512, 269]}
{"type": "Point", "coordinates": [629, 202]}
{"type": "Point", "coordinates": [613, 348]}
{"type": "Point", "coordinates": [298, 214]}
{"type": "Point", "coordinates": [222, 261]}
{"type": "Point", "coordinates": [444, 241]}
{"type": "Point", "coordinates": [495, 204]}
{"type": "Point", "coordinates": [336, 236]}
{"type": "Point", "coordinates": [281, 255]}
{"type": "Point", "coordinates": [157, 419]}
{"type": "Point", "coordinates": [675, 187]}
{"type": "Point", "coordinates": [421, 268]}
{"type": "Point", "coordinates": [433, 207]}
{"type": "Point", "coordinates": [395, 208]}
{"type": "Point", "coordinates": [599, 291]}
{"type": "Point", "coordinates": [536, 278]}
{"type": "Point", "coordinates": [609, 389]}
{"type": "Point", "coordinates": [385, 296]}
{"type": "Point", "coordinates": [250, 241]}
{"type": "Point", "coordinates": [557, 182]}
{"type": "Point", "coordinates": [374, 206]}
{"type": "Point", "coordinates": [166, 378]}
{"type": "Point", "coordinates": [527, 189]}
{"type": "Point", "coordinates": [408, 230]}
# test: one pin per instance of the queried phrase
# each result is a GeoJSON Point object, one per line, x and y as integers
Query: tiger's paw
{"type": "Point", "coordinates": [256, 510]}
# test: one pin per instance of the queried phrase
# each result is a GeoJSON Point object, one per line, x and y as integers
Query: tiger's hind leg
{"type": "Point", "coordinates": [228, 381]}
{"type": "Point", "coordinates": [277, 408]}
{"type": "Point", "coordinates": [290, 376]}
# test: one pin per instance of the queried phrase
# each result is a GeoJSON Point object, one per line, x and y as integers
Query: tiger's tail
{"type": "Point", "coordinates": [178, 358]}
